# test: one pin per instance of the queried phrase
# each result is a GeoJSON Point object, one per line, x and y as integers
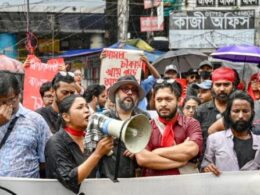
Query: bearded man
{"type": "Point", "coordinates": [63, 85]}
{"type": "Point", "coordinates": [125, 94]}
{"type": "Point", "coordinates": [236, 148]}
{"type": "Point", "coordinates": [176, 140]}
{"type": "Point", "coordinates": [223, 80]}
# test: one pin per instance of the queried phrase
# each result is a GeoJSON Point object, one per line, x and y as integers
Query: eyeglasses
{"type": "Point", "coordinates": [64, 73]}
{"type": "Point", "coordinates": [165, 81]}
{"type": "Point", "coordinates": [9, 101]}
{"type": "Point", "coordinates": [126, 90]}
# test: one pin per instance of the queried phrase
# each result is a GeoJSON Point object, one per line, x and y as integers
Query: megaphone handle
{"type": "Point", "coordinates": [118, 153]}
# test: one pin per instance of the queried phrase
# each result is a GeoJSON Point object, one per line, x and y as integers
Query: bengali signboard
{"type": "Point", "coordinates": [205, 3]}
{"type": "Point", "coordinates": [211, 29]}
{"type": "Point", "coordinates": [119, 62]}
{"type": "Point", "coordinates": [36, 74]}
{"type": "Point", "coordinates": [225, 3]}
{"type": "Point", "coordinates": [151, 3]}
{"type": "Point", "coordinates": [150, 24]}
{"type": "Point", "coordinates": [249, 2]}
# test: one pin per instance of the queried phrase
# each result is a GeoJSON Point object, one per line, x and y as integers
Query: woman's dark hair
{"type": "Point", "coordinates": [175, 87]}
{"type": "Point", "coordinates": [45, 87]}
{"type": "Point", "coordinates": [191, 98]}
{"type": "Point", "coordinates": [93, 90]}
{"type": "Point", "coordinates": [237, 95]}
{"type": "Point", "coordinates": [65, 105]}
{"type": "Point", "coordinates": [8, 83]}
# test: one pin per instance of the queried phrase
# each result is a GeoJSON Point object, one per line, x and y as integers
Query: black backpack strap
{"type": "Point", "coordinates": [9, 130]}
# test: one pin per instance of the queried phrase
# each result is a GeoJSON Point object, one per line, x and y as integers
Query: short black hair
{"type": "Point", "coordinates": [93, 90]}
{"type": "Point", "coordinates": [240, 95]}
{"type": "Point", "coordinates": [47, 86]}
{"type": "Point", "coordinates": [67, 78]}
{"type": "Point", "coordinates": [175, 87]}
{"type": "Point", "coordinates": [9, 83]}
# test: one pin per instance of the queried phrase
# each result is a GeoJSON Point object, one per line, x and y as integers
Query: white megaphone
{"type": "Point", "coordinates": [135, 132]}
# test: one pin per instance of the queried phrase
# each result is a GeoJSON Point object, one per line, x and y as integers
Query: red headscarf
{"type": "Point", "coordinates": [223, 73]}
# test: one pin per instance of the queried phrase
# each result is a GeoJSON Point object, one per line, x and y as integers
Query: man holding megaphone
{"type": "Point", "coordinates": [176, 140]}
{"type": "Point", "coordinates": [125, 94]}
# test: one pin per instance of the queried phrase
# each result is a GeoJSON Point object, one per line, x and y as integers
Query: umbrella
{"type": "Point", "coordinates": [183, 59]}
{"type": "Point", "coordinates": [238, 53]}
{"type": "Point", "coordinates": [7, 63]}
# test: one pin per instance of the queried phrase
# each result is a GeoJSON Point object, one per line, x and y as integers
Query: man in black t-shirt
{"type": "Point", "coordinates": [236, 148]}
{"type": "Point", "coordinates": [64, 85]}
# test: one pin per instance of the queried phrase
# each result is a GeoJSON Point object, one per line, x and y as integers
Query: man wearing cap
{"type": "Point", "coordinates": [192, 78]}
{"type": "Point", "coordinates": [205, 69]}
{"type": "Point", "coordinates": [125, 93]}
{"type": "Point", "coordinates": [204, 91]}
{"type": "Point", "coordinates": [222, 86]}
{"type": "Point", "coordinates": [171, 72]}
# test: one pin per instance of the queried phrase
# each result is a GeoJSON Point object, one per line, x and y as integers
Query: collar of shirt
{"type": "Point", "coordinates": [256, 139]}
{"type": "Point", "coordinates": [211, 105]}
{"type": "Point", "coordinates": [66, 137]}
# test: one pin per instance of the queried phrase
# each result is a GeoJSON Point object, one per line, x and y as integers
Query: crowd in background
{"type": "Point", "coordinates": [189, 123]}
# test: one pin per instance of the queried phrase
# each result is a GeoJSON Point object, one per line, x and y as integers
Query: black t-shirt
{"type": "Point", "coordinates": [244, 150]}
{"type": "Point", "coordinates": [206, 114]}
{"type": "Point", "coordinates": [51, 117]}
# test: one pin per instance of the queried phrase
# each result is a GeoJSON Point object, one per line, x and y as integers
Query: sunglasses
{"type": "Point", "coordinates": [64, 73]}
{"type": "Point", "coordinates": [165, 81]}
{"type": "Point", "coordinates": [126, 90]}
{"type": "Point", "coordinates": [194, 77]}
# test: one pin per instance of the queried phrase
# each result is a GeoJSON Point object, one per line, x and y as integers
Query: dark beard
{"type": "Point", "coordinates": [170, 116]}
{"type": "Point", "coordinates": [223, 97]}
{"type": "Point", "coordinates": [240, 126]}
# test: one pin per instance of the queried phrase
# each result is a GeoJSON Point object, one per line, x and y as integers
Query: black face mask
{"type": "Point", "coordinates": [205, 75]}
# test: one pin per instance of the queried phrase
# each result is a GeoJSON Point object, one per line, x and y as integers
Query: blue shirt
{"type": "Point", "coordinates": [24, 148]}
{"type": "Point", "coordinates": [147, 86]}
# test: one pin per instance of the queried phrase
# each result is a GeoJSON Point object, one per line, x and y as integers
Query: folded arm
{"type": "Point", "coordinates": [182, 152]}
{"type": "Point", "coordinates": [152, 160]}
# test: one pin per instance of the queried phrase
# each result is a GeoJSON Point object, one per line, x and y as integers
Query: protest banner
{"type": "Point", "coordinates": [119, 62]}
{"type": "Point", "coordinates": [238, 183]}
{"type": "Point", "coordinates": [36, 74]}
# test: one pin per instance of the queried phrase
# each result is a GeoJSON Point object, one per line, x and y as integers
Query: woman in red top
{"type": "Point", "coordinates": [253, 86]}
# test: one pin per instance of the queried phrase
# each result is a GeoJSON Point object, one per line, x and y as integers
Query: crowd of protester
{"type": "Point", "coordinates": [213, 128]}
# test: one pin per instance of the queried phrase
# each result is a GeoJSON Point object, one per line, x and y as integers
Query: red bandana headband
{"type": "Point", "coordinates": [223, 73]}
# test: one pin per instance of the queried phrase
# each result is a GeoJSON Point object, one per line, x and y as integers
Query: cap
{"type": "Point", "coordinates": [170, 67]}
{"type": "Point", "coordinates": [207, 84]}
{"type": "Point", "coordinates": [205, 62]}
